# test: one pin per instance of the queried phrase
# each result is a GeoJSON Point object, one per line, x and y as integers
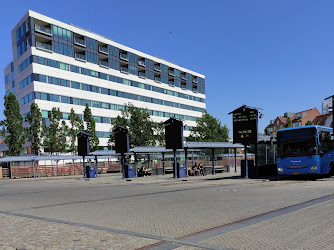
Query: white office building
{"type": "Point", "coordinates": [61, 65]}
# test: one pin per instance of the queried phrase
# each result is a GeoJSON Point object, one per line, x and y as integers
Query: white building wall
{"type": "Point", "coordinates": [36, 86]}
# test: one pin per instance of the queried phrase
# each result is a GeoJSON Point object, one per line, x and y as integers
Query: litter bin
{"type": "Point", "coordinates": [180, 170]}
{"type": "Point", "coordinates": [90, 171]}
{"type": "Point", "coordinates": [129, 171]}
{"type": "Point", "coordinates": [251, 169]}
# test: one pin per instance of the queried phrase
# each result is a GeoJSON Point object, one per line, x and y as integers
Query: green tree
{"type": "Point", "coordinates": [12, 126]}
{"type": "Point", "coordinates": [308, 123]}
{"type": "Point", "coordinates": [288, 123]}
{"type": "Point", "coordinates": [63, 131]}
{"type": "Point", "coordinates": [34, 130]}
{"type": "Point", "coordinates": [52, 133]}
{"type": "Point", "coordinates": [90, 129]}
{"type": "Point", "coordinates": [159, 133]}
{"type": "Point", "coordinates": [208, 128]}
{"type": "Point", "coordinates": [140, 126]}
{"type": "Point", "coordinates": [76, 126]}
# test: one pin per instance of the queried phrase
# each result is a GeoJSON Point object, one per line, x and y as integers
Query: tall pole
{"type": "Point", "coordinates": [33, 168]}
{"type": "Point", "coordinates": [163, 163]}
{"type": "Point", "coordinates": [186, 155]}
{"type": "Point", "coordinates": [228, 159]}
{"type": "Point", "coordinates": [148, 161]}
{"type": "Point", "coordinates": [246, 162]}
{"type": "Point", "coordinates": [235, 160]}
{"type": "Point", "coordinates": [84, 167]}
{"type": "Point", "coordinates": [213, 162]}
{"type": "Point", "coordinates": [175, 174]}
{"type": "Point", "coordinates": [123, 165]}
{"type": "Point", "coordinates": [135, 164]}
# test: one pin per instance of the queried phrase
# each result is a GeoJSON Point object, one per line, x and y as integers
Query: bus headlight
{"type": "Point", "coordinates": [280, 170]}
{"type": "Point", "coordinates": [314, 168]}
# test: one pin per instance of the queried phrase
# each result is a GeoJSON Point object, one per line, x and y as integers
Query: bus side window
{"type": "Point", "coordinates": [325, 142]}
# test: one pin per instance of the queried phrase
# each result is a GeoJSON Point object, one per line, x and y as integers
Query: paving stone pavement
{"type": "Point", "coordinates": [24, 233]}
{"type": "Point", "coordinates": [310, 228]}
{"type": "Point", "coordinates": [111, 213]}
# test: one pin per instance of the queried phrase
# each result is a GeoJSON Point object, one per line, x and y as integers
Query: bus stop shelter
{"type": "Point", "coordinates": [188, 147]}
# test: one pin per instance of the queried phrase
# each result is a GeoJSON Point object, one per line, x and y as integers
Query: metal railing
{"type": "Point", "coordinates": [44, 46]}
{"type": "Point", "coordinates": [157, 79]}
{"type": "Point", "coordinates": [124, 56]}
{"type": "Point", "coordinates": [142, 63]}
{"type": "Point", "coordinates": [103, 50]}
{"type": "Point", "coordinates": [124, 70]}
{"type": "Point", "coordinates": [142, 74]}
{"type": "Point", "coordinates": [157, 68]}
{"type": "Point", "coordinates": [80, 56]}
{"type": "Point", "coordinates": [79, 41]}
{"type": "Point", "coordinates": [104, 63]}
{"type": "Point", "coordinates": [171, 72]}
{"type": "Point", "coordinates": [42, 29]}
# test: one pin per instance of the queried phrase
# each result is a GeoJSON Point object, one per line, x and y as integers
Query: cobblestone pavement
{"type": "Point", "coordinates": [25, 233]}
{"type": "Point", "coordinates": [159, 212]}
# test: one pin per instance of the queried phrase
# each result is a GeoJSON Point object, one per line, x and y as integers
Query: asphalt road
{"type": "Point", "coordinates": [210, 212]}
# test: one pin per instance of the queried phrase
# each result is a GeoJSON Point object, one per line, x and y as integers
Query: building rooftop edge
{"type": "Point", "coordinates": [38, 15]}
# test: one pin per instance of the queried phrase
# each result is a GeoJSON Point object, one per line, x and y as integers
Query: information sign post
{"type": "Point", "coordinates": [245, 121]}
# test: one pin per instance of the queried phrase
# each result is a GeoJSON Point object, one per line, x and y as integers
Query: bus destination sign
{"type": "Point", "coordinates": [245, 126]}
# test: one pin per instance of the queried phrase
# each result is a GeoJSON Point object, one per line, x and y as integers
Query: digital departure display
{"type": "Point", "coordinates": [245, 126]}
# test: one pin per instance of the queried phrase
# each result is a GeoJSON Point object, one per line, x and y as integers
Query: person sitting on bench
{"type": "Point", "coordinates": [142, 171]}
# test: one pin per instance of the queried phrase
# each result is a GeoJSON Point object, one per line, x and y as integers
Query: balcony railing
{"type": "Point", "coordinates": [157, 68]}
{"type": "Point", "coordinates": [195, 80]}
{"type": "Point", "coordinates": [103, 50]}
{"type": "Point", "coordinates": [142, 63]}
{"type": "Point", "coordinates": [79, 41]}
{"type": "Point", "coordinates": [171, 83]}
{"type": "Point", "coordinates": [43, 30]}
{"type": "Point", "coordinates": [195, 90]}
{"type": "Point", "coordinates": [44, 46]}
{"type": "Point", "coordinates": [157, 79]}
{"type": "Point", "coordinates": [141, 74]}
{"type": "Point", "coordinates": [104, 64]}
{"type": "Point", "coordinates": [124, 56]}
{"type": "Point", "coordinates": [171, 72]}
{"type": "Point", "coordinates": [183, 77]}
{"type": "Point", "coordinates": [80, 56]}
{"type": "Point", "coordinates": [124, 70]}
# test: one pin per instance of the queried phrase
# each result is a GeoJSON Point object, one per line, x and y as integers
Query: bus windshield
{"type": "Point", "coordinates": [297, 142]}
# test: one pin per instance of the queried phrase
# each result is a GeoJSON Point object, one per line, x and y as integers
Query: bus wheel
{"type": "Point", "coordinates": [331, 169]}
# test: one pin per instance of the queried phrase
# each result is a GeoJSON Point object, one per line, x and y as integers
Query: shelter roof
{"type": "Point", "coordinates": [43, 158]}
{"type": "Point", "coordinates": [211, 145]}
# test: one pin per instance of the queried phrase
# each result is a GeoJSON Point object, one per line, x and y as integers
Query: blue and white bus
{"type": "Point", "coordinates": [307, 150]}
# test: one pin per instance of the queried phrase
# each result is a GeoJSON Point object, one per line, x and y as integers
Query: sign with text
{"type": "Point", "coordinates": [245, 125]}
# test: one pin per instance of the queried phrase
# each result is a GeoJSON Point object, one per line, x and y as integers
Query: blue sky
{"type": "Point", "coordinates": [274, 55]}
